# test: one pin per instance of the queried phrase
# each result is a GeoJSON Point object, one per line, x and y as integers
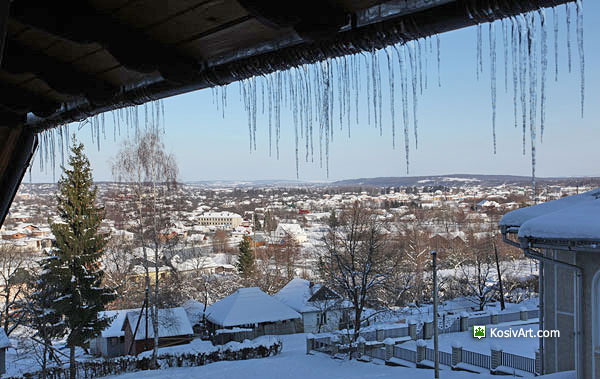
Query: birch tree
{"type": "Point", "coordinates": [146, 167]}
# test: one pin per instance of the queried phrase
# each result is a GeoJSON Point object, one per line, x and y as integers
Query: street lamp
{"type": "Point", "coordinates": [435, 316]}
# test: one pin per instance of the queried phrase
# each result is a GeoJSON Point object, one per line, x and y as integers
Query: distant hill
{"type": "Point", "coordinates": [459, 180]}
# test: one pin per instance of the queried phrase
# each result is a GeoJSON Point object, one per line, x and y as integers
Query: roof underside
{"type": "Point", "coordinates": [67, 60]}
{"type": "Point", "coordinates": [64, 61]}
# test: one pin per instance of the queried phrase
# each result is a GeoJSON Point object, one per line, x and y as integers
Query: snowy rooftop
{"type": "Point", "coordinates": [570, 218]}
{"type": "Point", "coordinates": [171, 322]}
{"type": "Point", "coordinates": [114, 329]}
{"type": "Point", "coordinates": [194, 310]}
{"type": "Point", "coordinates": [296, 293]}
{"type": "Point", "coordinates": [4, 341]}
{"type": "Point", "coordinates": [248, 306]}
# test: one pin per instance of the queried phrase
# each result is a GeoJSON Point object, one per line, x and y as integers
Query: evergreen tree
{"type": "Point", "coordinates": [245, 264]}
{"type": "Point", "coordinates": [41, 317]}
{"type": "Point", "coordinates": [332, 222]}
{"type": "Point", "coordinates": [74, 269]}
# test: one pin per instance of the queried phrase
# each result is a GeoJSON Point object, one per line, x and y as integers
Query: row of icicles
{"type": "Point", "coordinates": [326, 94]}
{"type": "Point", "coordinates": [149, 117]}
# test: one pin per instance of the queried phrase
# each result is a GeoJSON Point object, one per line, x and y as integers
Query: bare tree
{"type": "Point", "coordinates": [356, 260]}
{"type": "Point", "coordinates": [152, 172]}
{"type": "Point", "coordinates": [14, 277]}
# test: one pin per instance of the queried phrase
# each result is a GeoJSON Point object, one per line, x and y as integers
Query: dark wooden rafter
{"type": "Point", "coordinates": [61, 77]}
{"type": "Point", "coordinates": [79, 22]}
{"type": "Point", "coordinates": [20, 100]}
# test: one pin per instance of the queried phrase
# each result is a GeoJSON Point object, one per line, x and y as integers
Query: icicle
{"type": "Point", "coordinates": [413, 69]}
{"type": "Point", "coordinates": [391, 87]}
{"type": "Point", "coordinates": [367, 71]}
{"type": "Point", "coordinates": [419, 58]}
{"type": "Point", "coordinates": [479, 58]}
{"type": "Point", "coordinates": [523, 52]}
{"type": "Point", "coordinates": [505, 43]}
{"type": "Point", "coordinates": [555, 21]}
{"type": "Point", "coordinates": [544, 64]}
{"type": "Point", "coordinates": [515, 54]}
{"type": "Point", "coordinates": [579, 8]}
{"type": "Point", "coordinates": [437, 37]}
{"type": "Point", "coordinates": [401, 52]}
{"type": "Point", "coordinates": [492, 35]}
{"type": "Point", "coordinates": [568, 12]}
{"type": "Point", "coordinates": [532, 38]}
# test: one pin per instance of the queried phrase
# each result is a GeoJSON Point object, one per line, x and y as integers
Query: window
{"type": "Point", "coordinates": [324, 318]}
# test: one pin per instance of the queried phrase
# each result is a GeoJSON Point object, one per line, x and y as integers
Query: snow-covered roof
{"type": "Point", "coordinates": [249, 306]}
{"type": "Point", "coordinates": [574, 217]}
{"type": "Point", "coordinates": [4, 341]}
{"type": "Point", "coordinates": [194, 310]}
{"type": "Point", "coordinates": [114, 328]}
{"type": "Point", "coordinates": [296, 293]}
{"type": "Point", "coordinates": [171, 322]}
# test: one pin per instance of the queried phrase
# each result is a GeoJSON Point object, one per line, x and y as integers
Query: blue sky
{"type": "Point", "coordinates": [455, 131]}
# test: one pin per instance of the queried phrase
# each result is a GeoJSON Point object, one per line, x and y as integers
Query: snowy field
{"type": "Point", "coordinates": [293, 363]}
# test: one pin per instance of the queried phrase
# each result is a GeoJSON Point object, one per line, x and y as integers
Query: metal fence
{"type": "Point", "coordinates": [481, 320]}
{"type": "Point", "coordinates": [518, 362]}
{"type": "Point", "coordinates": [476, 359]}
{"type": "Point", "coordinates": [509, 317]}
{"type": "Point", "coordinates": [378, 353]}
{"type": "Point", "coordinates": [533, 313]}
{"type": "Point", "coordinates": [405, 354]}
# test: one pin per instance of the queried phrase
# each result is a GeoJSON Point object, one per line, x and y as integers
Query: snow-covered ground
{"type": "Point", "coordinates": [293, 363]}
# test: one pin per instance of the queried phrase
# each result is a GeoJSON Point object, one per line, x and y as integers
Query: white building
{"type": "Point", "coordinates": [290, 230]}
{"type": "Point", "coordinates": [322, 309]}
{"type": "Point", "coordinates": [220, 219]}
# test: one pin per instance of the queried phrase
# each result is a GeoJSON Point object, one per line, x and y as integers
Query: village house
{"type": "Point", "coordinates": [174, 328]}
{"type": "Point", "coordinates": [564, 236]}
{"type": "Point", "coordinates": [251, 308]}
{"type": "Point", "coordinates": [111, 341]}
{"type": "Point", "coordinates": [4, 344]}
{"type": "Point", "coordinates": [290, 230]}
{"type": "Point", "coordinates": [322, 309]}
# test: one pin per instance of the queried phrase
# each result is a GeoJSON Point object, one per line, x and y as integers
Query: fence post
{"type": "Point", "coordinates": [464, 322]}
{"type": "Point", "coordinates": [523, 313]}
{"type": "Point", "coordinates": [493, 317]}
{"type": "Point", "coordinates": [361, 345]}
{"type": "Point", "coordinates": [538, 362]}
{"type": "Point", "coordinates": [310, 342]}
{"type": "Point", "coordinates": [456, 353]}
{"type": "Point", "coordinates": [427, 329]}
{"type": "Point", "coordinates": [496, 358]}
{"type": "Point", "coordinates": [412, 329]}
{"type": "Point", "coordinates": [421, 347]}
{"type": "Point", "coordinates": [389, 349]}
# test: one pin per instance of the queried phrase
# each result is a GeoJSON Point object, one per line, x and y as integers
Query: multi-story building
{"type": "Point", "coordinates": [220, 219]}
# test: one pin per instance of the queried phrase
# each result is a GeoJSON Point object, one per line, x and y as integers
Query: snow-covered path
{"type": "Point", "coordinates": [293, 363]}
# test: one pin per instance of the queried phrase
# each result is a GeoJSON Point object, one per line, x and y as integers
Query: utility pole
{"type": "Point", "coordinates": [435, 317]}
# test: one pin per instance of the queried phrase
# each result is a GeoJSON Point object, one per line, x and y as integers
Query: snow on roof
{"type": "Point", "coordinates": [194, 310]}
{"type": "Point", "coordinates": [114, 328]}
{"type": "Point", "coordinates": [296, 293]}
{"type": "Point", "coordinates": [572, 217]}
{"type": "Point", "coordinates": [249, 306]}
{"type": "Point", "coordinates": [4, 341]}
{"type": "Point", "coordinates": [171, 322]}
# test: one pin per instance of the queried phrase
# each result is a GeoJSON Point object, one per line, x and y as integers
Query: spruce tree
{"type": "Point", "coordinates": [74, 267]}
{"type": "Point", "coordinates": [245, 263]}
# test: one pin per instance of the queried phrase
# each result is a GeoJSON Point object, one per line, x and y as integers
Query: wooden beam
{"type": "Point", "coordinates": [20, 100]}
{"type": "Point", "coordinates": [58, 75]}
{"type": "Point", "coordinates": [77, 21]}
{"type": "Point", "coordinates": [16, 152]}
